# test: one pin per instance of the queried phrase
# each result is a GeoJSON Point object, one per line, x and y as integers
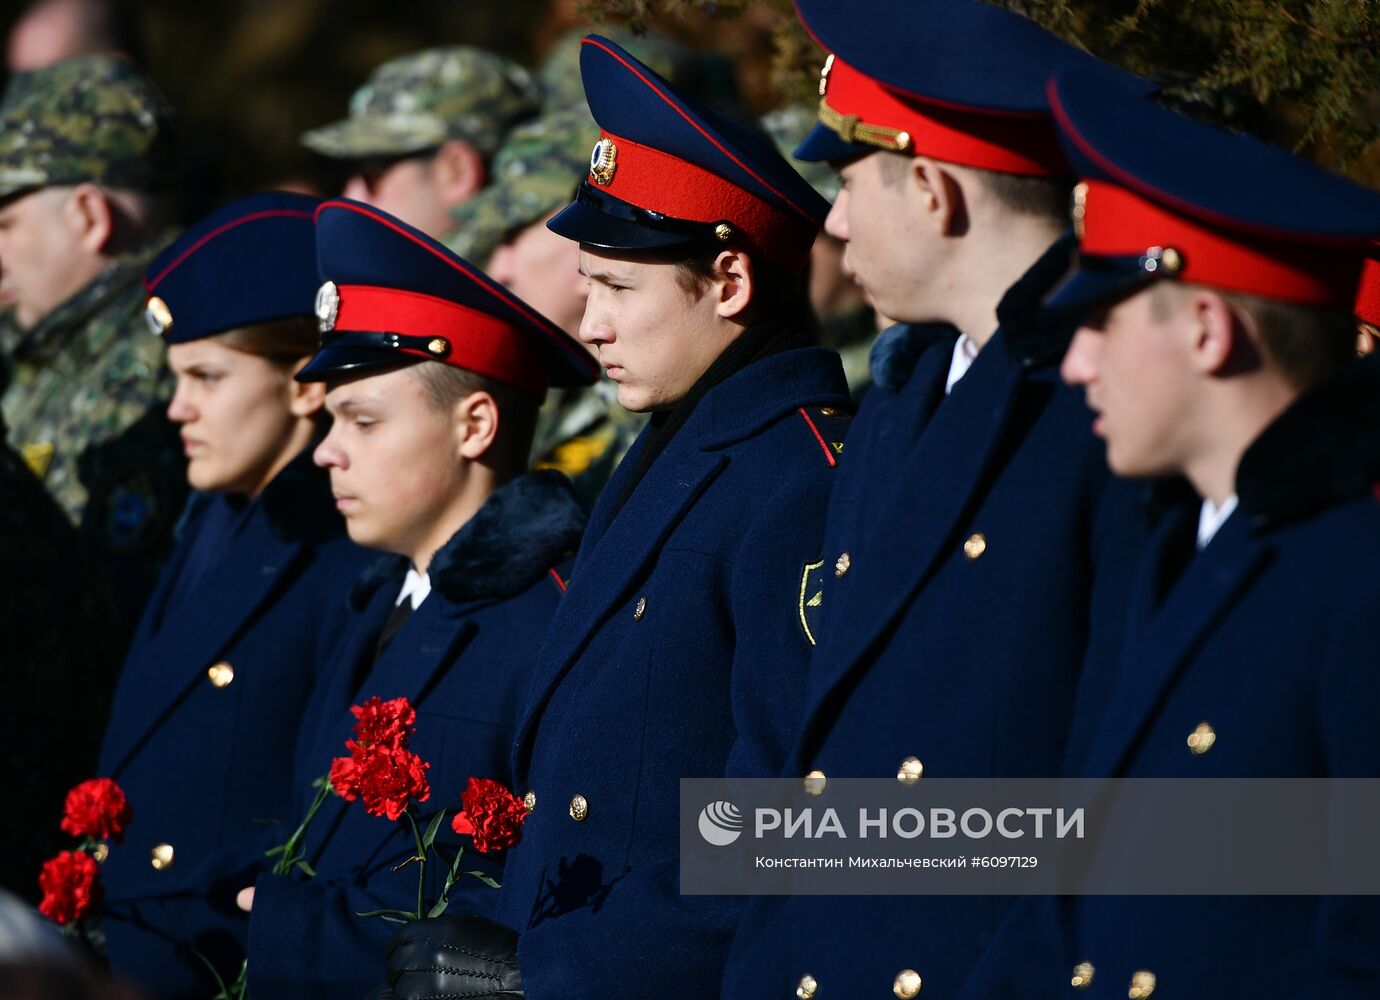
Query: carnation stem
{"type": "Point", "coordinates": [291, 851]}
{"type": "Point", "coordinates": [421, 863]}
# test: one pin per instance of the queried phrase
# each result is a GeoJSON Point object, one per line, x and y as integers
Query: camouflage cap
{"type": "Point", "coordinates": [559, 75]}
{"type": "Point", "coordinates": [535, 172]}
{"type": "Point", "coordinates": [418, 101]}
{"type": "Point", "coordinates": [787, 128]}
{"type": "Point", "coordinates": [93, 118]}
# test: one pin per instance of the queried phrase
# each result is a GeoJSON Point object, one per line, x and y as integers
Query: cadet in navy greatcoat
{"type": "Point", "coordinates": [1216, 351]}
{"type": "Point", "coordinates": [679, 650]}
{"type": "Point", "coordinates": [974, 523]}
{"type": "Point", "coordinates": [206, 710]}
{"type": "Point", "coordinates": [435, 376]}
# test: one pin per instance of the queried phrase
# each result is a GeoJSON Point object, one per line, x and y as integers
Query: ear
{"type": "Point", "coordinates": [1219, 335]}
{"type": "Point", "coordinates": [457, 171]}
{"type": "Point", "coordinates": [735, 285]}
{"type": "Point", "coordinates": [305, 399]}
{"type": "Point", "coordinates": [89, 214]}
{"type": "Point", "coordinates": [938, 196]}
{"type": "Point", "coordinates": [476, 425]}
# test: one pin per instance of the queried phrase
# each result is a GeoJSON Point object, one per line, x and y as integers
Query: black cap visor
{"type": "Point", "coordinates": [601, 220]}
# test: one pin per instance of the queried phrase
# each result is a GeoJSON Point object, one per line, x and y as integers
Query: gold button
{"type": "Point", "coordinates": [640, 610]}
{"type": "Point", "coordinates": [529, 801]}
{"type": "Point", "coordinates": [100, 852]}
{"type": "Point", "coordinates": [221, 674]}
{"type": "Point", "coordinates": [437, 346]}
{"type": "Point", "coordinates": [910, 771]}
{"type": "Point", "coordinates": [1083, 975]}
{"type": "Point", "coordinates": [1200, 741]}
{"type": "Point", "coordinates": [841, 566]}
{"type": "Point", "coordinates": [579, 808]}
{"type": "Point", "coordinates": [827, 411]}
{"type": "Point", "coordinates": [815, 782]}
{"type": "Point", "coordinates": [907, 984]}
{"type": "Point", "coordinates": [902, 141]}
{"type": "Point", "coordinates": [807, 987]}
{"type": "Point", "coordinates": [723, 231]}
{"type": "Point", "coordinates": [975, 546]}
{"type": "Point", "coordinates": [161, 857]}
{"type": "Point", "coordinates": [1142, 985]}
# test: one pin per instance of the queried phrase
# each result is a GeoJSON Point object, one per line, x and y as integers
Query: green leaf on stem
{"type": "Point", "coordinates": [487, 880]}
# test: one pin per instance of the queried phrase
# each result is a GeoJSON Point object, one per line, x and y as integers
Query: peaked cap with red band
{"type": "Point", "coordinates": [251, 262]}
{"type": "Point", "coordinates": [670, 173]}
{"type": "Point", "coordinates": [1368, 297]}
{"type": "Point", "coordinates": [957, 80]}
{"type": "Point", "coordinates": [394, 296]}
{"type": "Point", "coordinates": [1163, 196]}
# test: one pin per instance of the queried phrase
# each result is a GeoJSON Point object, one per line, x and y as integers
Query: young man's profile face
{"type": "Point", "coordinates": [891, 246]}
{"type": "Point", "coordinates": [654, 338]}
{"type": "Point", "coordinates": [543, 269]}
{"type": "Point", "coordinates": [1131, 358]}
{"type": "Point", "coordinates": [393, 459]}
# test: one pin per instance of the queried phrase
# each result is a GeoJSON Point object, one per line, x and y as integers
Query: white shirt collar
{"type": "Point", "coordinates": [1212, 517]}
{"type": "Point", "coordinates": [415, 587]}
{"type": "Point", "coordinates": [965, 351]}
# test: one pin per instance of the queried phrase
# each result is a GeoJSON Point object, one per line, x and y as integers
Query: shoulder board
{"type": "Point", "coordinates": [827, 427]}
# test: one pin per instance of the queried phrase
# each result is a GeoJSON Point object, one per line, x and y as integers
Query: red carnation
{"type": "Point", "coordinates": [387, 780]}
{"type": "Point", "coordinates": [97, 808]}
{"type": "Point", "coordinates": [490, 814]}
{"type": "Point", "coordinates": [384, 723]}
{"type": "Point", "coordinates": [380, 769]}
{"type": "Point", "coordinates": [70, 890]}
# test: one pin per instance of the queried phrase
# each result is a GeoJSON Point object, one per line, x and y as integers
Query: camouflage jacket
{"type": "Point", "coordinates": [87, 386]}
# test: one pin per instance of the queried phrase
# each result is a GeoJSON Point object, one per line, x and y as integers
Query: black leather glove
{"type": "Point", "coordinates": [454, 956]}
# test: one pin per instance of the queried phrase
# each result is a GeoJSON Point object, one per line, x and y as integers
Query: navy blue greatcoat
{"type": "Point", "coordinates": [678, 652]}
{"type": "Point", "coordinates": [966, 540]}
{"type": "Point", "coordinates": [464, 658]}
{"type": "Point", "coordinates": [205, 719]}
{"type": "Point", "coordinates": [1267, 636]}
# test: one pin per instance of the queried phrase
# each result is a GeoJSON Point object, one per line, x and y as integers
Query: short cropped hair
{"type": "Point", "coordinates": [447, 385]}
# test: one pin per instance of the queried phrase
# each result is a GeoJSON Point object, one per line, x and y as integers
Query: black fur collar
{"type": "Point", "coordinates": [898, 348]}
{"type": "Point", "coordinates": [524, 529]}
{"type": "Point", "coordinates": [1324, 449]}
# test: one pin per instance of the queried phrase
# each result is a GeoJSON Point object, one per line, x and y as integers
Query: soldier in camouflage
{"type": "Point", "coordinates": [581, 432]}
{"type": "Point", "coordinates": [86, 164]}
{"type": "Point", "coordinates": [847, 323]}
{"type": "Point", "coordinates": [423, 128]}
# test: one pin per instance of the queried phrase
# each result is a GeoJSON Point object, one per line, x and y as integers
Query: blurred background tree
{"type": "Point", "coordinates": [249, 76]}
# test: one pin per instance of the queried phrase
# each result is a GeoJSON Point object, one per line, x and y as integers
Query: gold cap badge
{"type": "Point", "coordinates": [603, 161]}
{"type": "Point", "coordinates": [158, 316]}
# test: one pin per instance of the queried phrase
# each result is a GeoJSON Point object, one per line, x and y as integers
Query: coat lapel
{"type": "Point", "coordinates": [177, 657]}
{"type": "Point", "coordinates": [1169, 620]}
{"type": "Point", "coordinates": [933, 489]}
{"type": "Point", "coordinates": [608, 568]}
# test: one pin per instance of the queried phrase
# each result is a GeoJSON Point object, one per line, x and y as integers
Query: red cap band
{"type": "Point", "coordinates": [476, 341]}
{"type": "Point", "coordinates": [659, 182]}
{"type": "Point", "coordinates": [1368, 298]}
{"type": "Point", "coordinates": [860, 109]}
{"type": "Point", "coordinates": [1118, 223]}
